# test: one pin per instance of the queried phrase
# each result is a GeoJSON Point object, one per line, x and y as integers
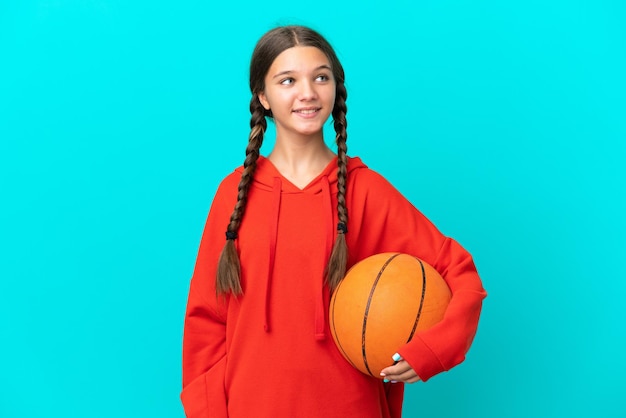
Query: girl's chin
{"type": "Point", "coordinates": [309, 129]}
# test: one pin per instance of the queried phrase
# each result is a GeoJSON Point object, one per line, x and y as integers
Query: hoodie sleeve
{"type": "Point", "coordinates": [387, 222]}
{"type": "Point", "coordinates": [204, 340]}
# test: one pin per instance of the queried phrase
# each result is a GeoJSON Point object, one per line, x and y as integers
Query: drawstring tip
{"type": "Point", "coordinates": [320, 337]}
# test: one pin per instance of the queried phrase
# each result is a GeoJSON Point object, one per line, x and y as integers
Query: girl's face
{"type": "Point", "coordinates": [300, 92]}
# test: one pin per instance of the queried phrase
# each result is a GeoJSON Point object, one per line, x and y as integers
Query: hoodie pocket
{"type": "Point", "coordinates": [205, 396]}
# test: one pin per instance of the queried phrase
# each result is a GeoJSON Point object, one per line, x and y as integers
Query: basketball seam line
{"type": "Point", "coordinates": [367, 308]}
{"type": "Point", "coordinates": [345, 355]}
{"type": "Point", "coordinates": [419, 311]}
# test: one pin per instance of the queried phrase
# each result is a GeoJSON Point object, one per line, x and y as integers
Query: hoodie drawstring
{"type": "Point", "coordinates": [322, 292]}
{"type": "Point", "coordinates": [276, 194]}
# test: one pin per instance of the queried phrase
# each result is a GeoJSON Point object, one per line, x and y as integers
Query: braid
{"type": "Point", "coordinates": [228, 269]}
{"type": "Point", "coordinates": [336, 268]}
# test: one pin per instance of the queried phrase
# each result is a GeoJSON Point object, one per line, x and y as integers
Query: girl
{"type": "Point", "coordinates": [257, 342]}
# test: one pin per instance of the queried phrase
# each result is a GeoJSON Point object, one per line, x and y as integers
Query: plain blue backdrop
{"type": "Point", "coordinates": [504, 122]}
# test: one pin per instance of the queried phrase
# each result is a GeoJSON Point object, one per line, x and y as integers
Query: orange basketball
{"type": "Point", "coordinates": [380, 304]}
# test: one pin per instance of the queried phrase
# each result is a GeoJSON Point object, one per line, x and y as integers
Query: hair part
{"type": "Point", "coordinates": [272, 44]}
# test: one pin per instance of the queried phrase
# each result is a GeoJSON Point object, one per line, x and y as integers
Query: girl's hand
{"type": "Point", "coordinates": [401, 371]}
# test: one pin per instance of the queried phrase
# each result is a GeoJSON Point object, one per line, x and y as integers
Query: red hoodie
{"type": "Point", "coordinates": [269, 353]}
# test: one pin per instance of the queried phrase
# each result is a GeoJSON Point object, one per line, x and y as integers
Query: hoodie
{"type": "Point", "coordinates": [269, 353]}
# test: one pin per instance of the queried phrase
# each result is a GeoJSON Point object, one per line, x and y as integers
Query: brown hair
{"type": "Point", "coordinates": [267, 49]}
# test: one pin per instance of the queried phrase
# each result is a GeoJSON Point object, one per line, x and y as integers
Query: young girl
{"type": "Point", "coordinates": [257, 341]}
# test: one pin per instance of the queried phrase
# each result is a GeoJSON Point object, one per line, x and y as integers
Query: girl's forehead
{"type": "Point", "coordinates": [300, 58]}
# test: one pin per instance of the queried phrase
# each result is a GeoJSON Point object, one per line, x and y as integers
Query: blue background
{"type": "Point", "coordinates": [504, 122]}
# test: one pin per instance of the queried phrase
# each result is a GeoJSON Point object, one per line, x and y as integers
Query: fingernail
{"type": "Point", "coordinates": [396, 357]}
{"type": "Point", "coordinates": [386, 380]}
{"type": "Point", "coordinates": [394, 381]}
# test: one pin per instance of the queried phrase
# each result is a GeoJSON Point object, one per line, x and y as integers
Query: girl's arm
{"type": "Point", "coordinates": [204, 341]}
{"type": "Point", "coordinates": [385, 221]}
{"type": "Point", "coordinates": [204, 357]}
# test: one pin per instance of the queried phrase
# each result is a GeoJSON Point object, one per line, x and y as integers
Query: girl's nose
{"type": "Point", "coordinates": [307, 91]}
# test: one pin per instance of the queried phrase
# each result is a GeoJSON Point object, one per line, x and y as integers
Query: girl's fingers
{"type": "Point", "coordinates": [401, 371]}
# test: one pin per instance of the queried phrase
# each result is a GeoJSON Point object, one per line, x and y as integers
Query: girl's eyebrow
{"type": "Point", "coordinates": [321, 67]}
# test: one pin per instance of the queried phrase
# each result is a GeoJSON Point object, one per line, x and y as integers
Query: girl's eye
{"type": "Point", "coordinates": [322, 77]}
{"type": "Point", "coordinates": [286, 81]}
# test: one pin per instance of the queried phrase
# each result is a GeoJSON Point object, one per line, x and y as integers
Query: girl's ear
{"type": "Point", "coordinates": [263, 101]}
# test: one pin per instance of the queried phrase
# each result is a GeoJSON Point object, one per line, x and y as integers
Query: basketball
{"type": "Point", "coordinates": [380, 304]}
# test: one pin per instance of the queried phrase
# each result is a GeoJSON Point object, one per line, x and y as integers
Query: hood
{"type": "Point", "coordinates": [266, 173]}
{"type": "Point", "coordinates": [268, 178]}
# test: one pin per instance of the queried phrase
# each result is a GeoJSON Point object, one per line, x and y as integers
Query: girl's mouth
{"type": "Point", "coordinates": [307, 111]}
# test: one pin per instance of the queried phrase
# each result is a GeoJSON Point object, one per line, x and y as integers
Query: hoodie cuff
{"type": "Point", "coordinates": [421, 358]}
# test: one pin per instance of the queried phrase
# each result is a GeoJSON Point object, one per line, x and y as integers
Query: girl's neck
{"type": "Point", "coordinates": [300, 162]}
